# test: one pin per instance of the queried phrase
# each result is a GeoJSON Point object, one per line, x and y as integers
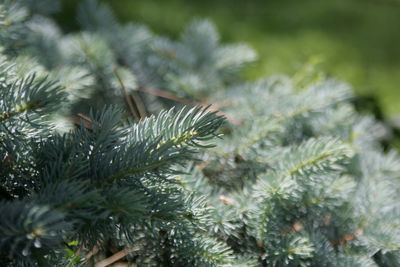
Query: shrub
{"type": "Point", "coordinates": [90, 177]}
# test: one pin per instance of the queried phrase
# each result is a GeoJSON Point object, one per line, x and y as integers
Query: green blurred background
{"type": "Point", "coordinates": [354, 40]}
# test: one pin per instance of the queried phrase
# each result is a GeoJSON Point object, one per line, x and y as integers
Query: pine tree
{"type": "Point", "coordinates": [101, 162]}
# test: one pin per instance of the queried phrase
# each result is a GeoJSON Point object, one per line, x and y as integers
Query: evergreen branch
{"type": "Point", "coordinates": [20, 109]}
{"type": "Point", "coordinates": [256, 132]}
{"type": "Point", "coordinates": [25, 228]}
{"type": "Point", "coordinates": [185, 127]}
{"type": "Point", "coordinates": [313, 155]}
{"type": "Point", "coordinates": [28, 95]}
{"type": "Point", "coordinates": [164, 141]}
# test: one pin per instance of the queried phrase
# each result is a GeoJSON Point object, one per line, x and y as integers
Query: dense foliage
{"type": "Point", "coordinates": [353, 40]}
{"type": "Point", "coordinates": [88, 176]}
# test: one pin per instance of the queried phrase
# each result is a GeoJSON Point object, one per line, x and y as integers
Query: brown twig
{"type": "Point", "coordinates": [132, 107]}
{"type": "Point", "coordinates": [204, 164]}
{"type": "Point", "coordinates": [167, 95]}
{"type": "Point", "coordinates": [140, 105]}
{"type": "Point", "coordinates": [93, 252]}
{"type": "Point", "coordinates": [175, 98]}
{"type": "Point", "coordinates": [84, 117]}
{"type": "Point", "coordinates": [83, 120]}
{"type": "Point", "coordinates": [117, 256]}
